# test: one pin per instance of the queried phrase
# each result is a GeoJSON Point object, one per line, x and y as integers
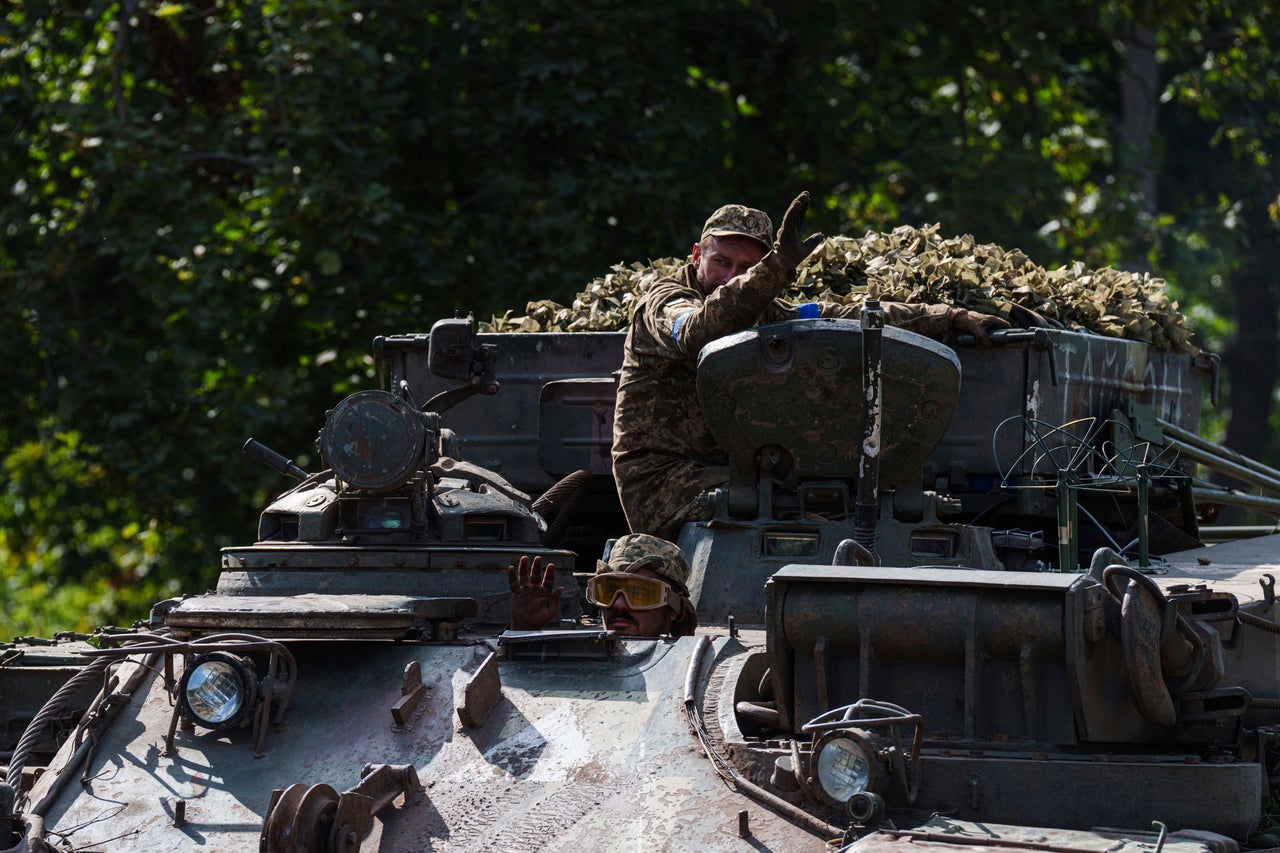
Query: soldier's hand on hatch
{"type": "Point", "coordinates": [977, 324]}
{"type": "Point", "coordinates": [535, 600]}
{"type": "Point", "coordinates": [788, 246]}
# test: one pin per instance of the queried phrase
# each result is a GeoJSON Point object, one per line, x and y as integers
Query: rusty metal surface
{"type": "Point", "coordinates": [986, 658]}
{"type": "Point", "coordinates": [572, 754]}
{"type": "Point", "coordinates": [942, 834]}
{"type": "Point", "coordinates": [1000, 781]}
{"type": "Point", "coordinates": [1007, 657]}
{"type": "Point", "coordinates": [1098, 789]}
{"type": "Point", "coordinates": [1140, 624]}
{"type": "Point", "coordinates": [1246, 568]}
{"type": "Point", "coordinates": [317, 817]}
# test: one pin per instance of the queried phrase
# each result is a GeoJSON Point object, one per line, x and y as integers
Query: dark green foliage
{"type": "Point", "coordinates": [210, 207]}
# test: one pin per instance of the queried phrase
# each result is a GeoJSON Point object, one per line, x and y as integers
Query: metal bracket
{"type": "Point", "coordinates": [412, 691]}
{"type": "Point", "coordinates": [481, 694]}
{"type": "Point", "coordinates": [316, 817]}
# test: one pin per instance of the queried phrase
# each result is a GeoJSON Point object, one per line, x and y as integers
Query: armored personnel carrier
{"type": "Point", "coordinates": [948, 595]}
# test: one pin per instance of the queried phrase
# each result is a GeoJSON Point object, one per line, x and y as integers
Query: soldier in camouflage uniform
{"type": "Point", "coordinates": [664, 455]}
{"type": "Point", "coordinates": [641, 589]}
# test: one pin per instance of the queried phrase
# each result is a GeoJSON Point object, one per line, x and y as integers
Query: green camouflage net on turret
{"type": "Point", "coordinates": [914, 265]}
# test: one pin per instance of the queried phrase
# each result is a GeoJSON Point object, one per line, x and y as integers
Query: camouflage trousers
{"type": "Point", "coordinates": [659, 493]}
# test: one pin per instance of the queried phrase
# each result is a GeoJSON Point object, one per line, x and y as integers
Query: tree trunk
{"type": "Point", "coordinates": [1139, 102]}
{"type": "Point", "coordinates": [1252, 365]}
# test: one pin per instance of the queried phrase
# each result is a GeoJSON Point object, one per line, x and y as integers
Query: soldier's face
{"type": "Point", "coordinates": [724, 258]}
{"type": "Point", "coordinates": [637, 623]}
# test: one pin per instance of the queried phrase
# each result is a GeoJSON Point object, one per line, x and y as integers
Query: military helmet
{"type": "Point", "coordinates": [637, 551]}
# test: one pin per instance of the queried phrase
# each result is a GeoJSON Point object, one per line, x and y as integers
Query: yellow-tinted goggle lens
{"type": "Point", "coordinates": [640, 592]}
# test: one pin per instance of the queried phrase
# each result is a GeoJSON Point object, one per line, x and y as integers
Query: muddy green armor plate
{"type": "Point", "coordinates": [799, 385]}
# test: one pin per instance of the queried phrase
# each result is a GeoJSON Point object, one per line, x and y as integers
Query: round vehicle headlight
{"type": "Point", "coordinates": [845, 764]}
{"type": "Point", "coordinates": [218, 690]}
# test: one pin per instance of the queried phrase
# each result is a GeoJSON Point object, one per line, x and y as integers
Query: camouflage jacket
{"type": "Point", "coordinates": [664, 454]}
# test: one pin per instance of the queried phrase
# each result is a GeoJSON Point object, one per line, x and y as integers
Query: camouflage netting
{"type": "Point", "coordinates": [910, 265]}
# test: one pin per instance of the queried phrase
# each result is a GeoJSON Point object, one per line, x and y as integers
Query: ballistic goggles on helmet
{"type": "Point", "coordinates": [640, 592]}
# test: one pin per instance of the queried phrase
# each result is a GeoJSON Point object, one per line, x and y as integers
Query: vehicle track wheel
{"type": "Point", "coordinates": [301, 820]}
{"type": "Point", "coordinates": [314, 819]}
{"type": "Point", "coordinates": [277, 832]}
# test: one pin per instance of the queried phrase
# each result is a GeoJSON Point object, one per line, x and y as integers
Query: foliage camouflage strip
{"type": "Point", "coordinates": [913, 265]}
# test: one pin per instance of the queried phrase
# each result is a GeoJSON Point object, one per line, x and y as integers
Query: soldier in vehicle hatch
{"type": "Point", "coordinates": [664, 455]}
{"type": "Point", "coordinates": [640, 590]}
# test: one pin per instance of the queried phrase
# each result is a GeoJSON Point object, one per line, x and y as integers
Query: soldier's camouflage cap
{"type": "Point", "coordinates": [637, 551]}
{"type": "Point", "coordinates": [740, 221]}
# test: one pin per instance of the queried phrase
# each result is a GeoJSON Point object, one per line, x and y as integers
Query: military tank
{"type": "Point", "coordinates": [932, 612]}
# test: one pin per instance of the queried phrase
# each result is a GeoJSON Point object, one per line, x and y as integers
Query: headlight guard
{"type": "Point", "coordinates": [219, 690]}
{"type": "Point", "coordinates": [857, 752]}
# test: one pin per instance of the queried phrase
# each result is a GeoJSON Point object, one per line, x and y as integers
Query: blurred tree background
{"type": "Point", "coordinates": [211, 207]}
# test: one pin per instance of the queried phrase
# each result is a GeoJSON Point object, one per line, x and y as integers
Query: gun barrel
{"type": "Point", "coordinates": [259, 452]}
